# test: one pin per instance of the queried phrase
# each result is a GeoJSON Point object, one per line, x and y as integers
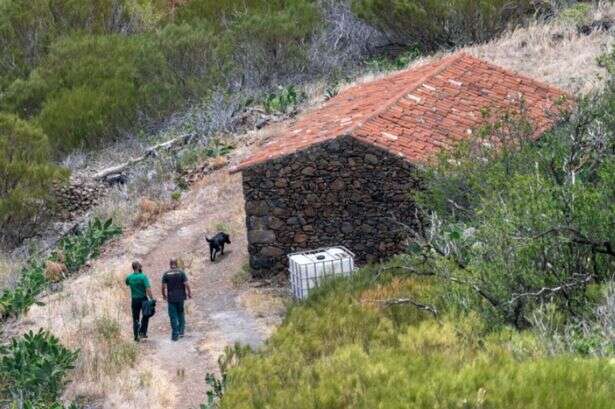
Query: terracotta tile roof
{"type": "Point", "coordinates": [416, 112]}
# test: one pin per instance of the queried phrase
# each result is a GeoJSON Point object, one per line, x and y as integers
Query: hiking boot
{"type": "Point", "coordinates": [136, 339]}
{"type": "Point", "coordinates": [174, 338]}
{"type": "Point", "coordinates": [144, 336]}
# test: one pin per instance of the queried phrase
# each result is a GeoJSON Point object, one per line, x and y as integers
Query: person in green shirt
{"type": "Point", "coordinates": [139, 291]}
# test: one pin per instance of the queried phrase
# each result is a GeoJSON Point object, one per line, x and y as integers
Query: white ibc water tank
{"type": "Point", "coordinates": [308, 269]}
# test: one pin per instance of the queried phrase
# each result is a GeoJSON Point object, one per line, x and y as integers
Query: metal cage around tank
{"type": "Point", "coordinates": [309, 269]}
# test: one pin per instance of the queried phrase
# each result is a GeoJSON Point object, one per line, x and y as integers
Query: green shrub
{"type": "Point", "coordinates": [73, 252]}
{"type": "Point", "coordinates": [198, 57]}
{"type": "Point", "coordinates": [383, 64]}
{"type": "Point", "coordinates": [29, 27]}
{"type": "Point", "coordinates": [33, 369]}
{"type": "Point", "coordinates": [509, 223]}
{"type": "Point", "coordinates": [27, 175]}
{"type": "Point", "coordinates": [88, 88]}
{"type": "Point", "coordinates": [274, 43]}
{"type": "Point", "coordinates": [217, 385]}
{"type": "Point", "coordinates": [18, 300]}
{"type": "Point", "coordinates": [283, 101]}
{"type": "Point", "coordinates": [435, 23]}
{"type": "Point", "coordinates": [576, 14]}
{"type": "Point", "coordinates": [337, 350]}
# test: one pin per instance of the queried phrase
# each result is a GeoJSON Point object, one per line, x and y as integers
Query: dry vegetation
{"type": "Point", "coordinates": [556, 53]}
{"type": "Point", "coordinates": [9, 270]}
{"type": "Point", "coordinates": [90, 314]}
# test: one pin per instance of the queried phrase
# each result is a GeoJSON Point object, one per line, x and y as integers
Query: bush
{"type": "Point", "coordinates": [338, 350]}
{"type": "Point", "coordinates": [33, 369]}
{"type": "Point", "coordinates": [283, 101]}
{"type": "Point", "coordinates": [515, 223]}
{"type": "Point", "coordinates": [27, 175]}
{"type": "Point", "coordinates": [72, 253]}
{"type": "Point", "coordinates": [90, 87]}
{"type": "Point", "coordinates": [274, 44]}
{"type": "Point", "coordinates": [436, 23]}
{"type": "Point", "coordinates": [29, 27]}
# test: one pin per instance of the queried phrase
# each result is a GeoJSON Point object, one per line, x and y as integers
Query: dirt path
{"type": "Point", "coordinates": [92, 311]}
{"type": "Point", "coordinates": [215, 316]}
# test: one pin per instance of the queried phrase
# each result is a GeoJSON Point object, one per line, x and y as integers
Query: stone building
{"type": "Point", "coordinates": [343, 172]}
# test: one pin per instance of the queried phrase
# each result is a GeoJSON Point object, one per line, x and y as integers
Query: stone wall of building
{"type": "Point", "coordinates": [339, 192]}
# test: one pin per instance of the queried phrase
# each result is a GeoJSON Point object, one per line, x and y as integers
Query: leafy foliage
{"type": "Point", "coordinates": [283, 101]}
{"type": "Point", "coordinates": [29, 27]}
{"type": "Point", "coordinates": [33, 369]}
{"type": "Point", "coordinates": [73, 252]}
{"type": "Point", "coordinates": [26, 175]}
{"type": "Point", "coordinates": [230, 359]}
{"type": "Point", "coordinates": [435, 23]}
{"type": "Point", "coordinates": [343, 347]}
{"type": "Point", "coordinates": [191, 157]}
{"type": "Point", "coordinates": [516, 223]}
{"type": "Point", "coordinates": [383, 64]}
{"type": "Point", "coordinates": [88, 87]}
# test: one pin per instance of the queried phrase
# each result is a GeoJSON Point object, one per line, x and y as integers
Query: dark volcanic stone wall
{"type": "Point", "coordinates": [340, 192]}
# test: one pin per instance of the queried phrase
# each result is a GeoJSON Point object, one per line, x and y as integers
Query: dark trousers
{"type": "Point", "coordinates": [139, 328]}
{"type": "Point", "coordinates": [176, 314]}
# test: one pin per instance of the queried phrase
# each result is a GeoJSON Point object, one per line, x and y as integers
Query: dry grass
{"type": "Point", "coordinates": [150, 210]}
{"type": "Point", "coordinates": [10, 267]}
{"type": "Point", "coordinates": [554, 53]}
{"type": "Point", "coordinates": [55, 271]}
{"type": "Point", "coordinates": [91, 315]}
{"type": "Point", "coordinates": [117, 205]}
{"type": "Point", "coordinates": [395, 289]}
{"type": "Point", "coordinates": [267, 304]}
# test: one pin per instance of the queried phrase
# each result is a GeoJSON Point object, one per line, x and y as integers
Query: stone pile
{"type": "Point", "coordinates": [79, 195]}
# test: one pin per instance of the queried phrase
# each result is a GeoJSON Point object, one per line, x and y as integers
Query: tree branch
{"type": "Point", "coordinates": [399, 301]}
{"type": "Point", "coordinates": [603, 247]}
{"type": "Point", "coordinates": [551, 290]}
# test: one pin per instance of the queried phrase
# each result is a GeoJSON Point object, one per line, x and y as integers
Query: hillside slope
{"type": "Point", "coordinates": [92, 312]}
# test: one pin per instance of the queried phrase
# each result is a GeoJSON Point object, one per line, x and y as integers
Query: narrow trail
{"type": "Point", "coordinates": [214, 317]}
{"type": "Point", "coordinates": [162, 374]}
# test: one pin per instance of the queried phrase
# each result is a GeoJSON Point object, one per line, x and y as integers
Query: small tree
{"type": "Point", "coordinates": [434, 23]}
{"type": "Point", "coordinates": [26, 178]}
{"type": "Point", "coordinates": [514, 222]}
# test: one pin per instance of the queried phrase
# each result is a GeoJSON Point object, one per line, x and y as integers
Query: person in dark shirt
{"type": "Point", "coordinates": [139, 292]}
{"type": "Point", "coordinates": [175, 290]}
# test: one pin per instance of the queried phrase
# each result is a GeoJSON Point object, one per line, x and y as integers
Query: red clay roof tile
{"type": "Point", "coordinates": [417, 112]}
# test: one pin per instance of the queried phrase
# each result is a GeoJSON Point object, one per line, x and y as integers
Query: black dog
{"type": "Point", "coordinates": [216, 244]}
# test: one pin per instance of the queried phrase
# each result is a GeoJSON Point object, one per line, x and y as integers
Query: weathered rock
{"type": "Point", "coordinates": [371, 159]}
{"type": "Point", "coordinates": [300, 238]}
{"type": "Point", "coordinates": [308, 171]}
{"type": "Point", "coordinates": [348, 193]}
{"type": "Point", "coordinates": [257, 208]}
{"type": "Point", "coordinates": [347, 228]}
{"type": "Point", "coordinates": [271, 251]}
{"type": "Point", "coordinates": [261, 236]}
{"type": "Point", "coordinates": [338, 185]}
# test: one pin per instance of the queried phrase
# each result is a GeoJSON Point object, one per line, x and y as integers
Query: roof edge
{"type": "Point", "coordinates": [445, 62]}
{"type": "Point", "coordinates": [245, 166]}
